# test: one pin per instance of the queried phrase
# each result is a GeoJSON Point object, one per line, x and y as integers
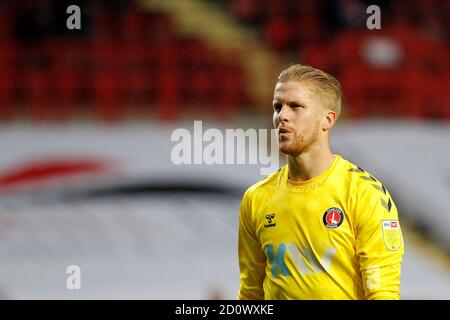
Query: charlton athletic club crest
{"type": "Point", "coordinates": [333, 218]}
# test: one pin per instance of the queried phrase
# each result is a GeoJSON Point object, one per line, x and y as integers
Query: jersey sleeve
{"type": "Point", "coordinates": [252, 260]}
{"type": "Point", "coordinates": [379, 243]}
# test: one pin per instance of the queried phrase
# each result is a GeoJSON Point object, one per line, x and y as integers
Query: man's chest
{"type": "Point", "coordinates": [305, 219]}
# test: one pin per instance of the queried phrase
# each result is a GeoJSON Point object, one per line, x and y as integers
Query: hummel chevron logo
{"type": "Point", "coordinates": [386, 204]}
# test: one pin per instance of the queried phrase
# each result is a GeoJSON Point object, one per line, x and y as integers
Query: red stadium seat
{"type": "Point", "coordinates": [36, 83]}
{"type": "Point", "coordinates": [8, 57]}
{"type": "Point", "coordinates": [278, 33]}
{"type": "Point", "coordinates": [318, 56]}
{"type": "Point", "coordinates": [133, 26]}
{"type": "Point", "coordinates": [246, 10]}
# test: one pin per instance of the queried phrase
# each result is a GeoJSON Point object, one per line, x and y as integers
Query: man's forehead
{"type": "Point", "coordinates": [293, 89]}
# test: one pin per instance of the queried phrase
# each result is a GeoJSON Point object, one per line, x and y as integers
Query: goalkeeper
{"type": "Point", "coordinates": [320, 227]}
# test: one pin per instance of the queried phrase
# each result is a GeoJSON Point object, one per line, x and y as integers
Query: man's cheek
{"type": "Point", "coordinates": [275, 120]}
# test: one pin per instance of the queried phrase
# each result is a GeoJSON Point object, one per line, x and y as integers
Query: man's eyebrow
{"type": "Point", "coordinates": [288, 102]}
{"type": "Point", "coordinates": [279, 99]}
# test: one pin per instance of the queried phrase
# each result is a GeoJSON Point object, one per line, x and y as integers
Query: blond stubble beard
{"type": "Point", "coordinates": [301, 143]}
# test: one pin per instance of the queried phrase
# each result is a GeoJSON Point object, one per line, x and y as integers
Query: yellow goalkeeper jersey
{"type": "Point", "coordinates": [335, 236]}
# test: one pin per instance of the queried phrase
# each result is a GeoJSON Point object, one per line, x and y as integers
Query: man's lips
{"type": "Point", "coordinates": [283, 133]}
{"type": "Point", "coordinates": [283, 130]}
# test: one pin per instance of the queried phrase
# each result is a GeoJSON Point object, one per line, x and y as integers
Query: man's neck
{"type": "Point", "coordinates": [310, 164]}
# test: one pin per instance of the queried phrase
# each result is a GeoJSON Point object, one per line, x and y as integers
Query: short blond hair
{"type": "Point", "coordinates": [322, 83]}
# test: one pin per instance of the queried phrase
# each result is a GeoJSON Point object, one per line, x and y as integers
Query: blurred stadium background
{"type": "Point", "coordinates": [86, 176]}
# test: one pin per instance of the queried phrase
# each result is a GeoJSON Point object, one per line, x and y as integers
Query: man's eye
{"type": "Point", "coordinates": [277, 107]}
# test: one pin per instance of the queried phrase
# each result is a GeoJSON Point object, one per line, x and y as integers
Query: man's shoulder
{"type": "Point", "coordinates": [264, 184]}
{"type": "Point", "coordinates": [359, 179]}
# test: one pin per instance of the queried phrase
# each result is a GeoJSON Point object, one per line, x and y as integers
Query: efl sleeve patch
{"type": "Point", "coordinates": [392, 237]}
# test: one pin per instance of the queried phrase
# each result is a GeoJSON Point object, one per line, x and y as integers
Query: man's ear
{"type": "Point", "coordinates": [329, 120]}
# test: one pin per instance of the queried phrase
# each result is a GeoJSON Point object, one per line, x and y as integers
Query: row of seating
{"type": "Point", "coordinates": [389, 72]}
{"type": "Point", "coordinates": [398, 70]}
{"type": "Point", "coordinates": [147, 67]}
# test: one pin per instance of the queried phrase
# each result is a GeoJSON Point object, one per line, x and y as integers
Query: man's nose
{"type": "Point", "coordinates": [283, 116]}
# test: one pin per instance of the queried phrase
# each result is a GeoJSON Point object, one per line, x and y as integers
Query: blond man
{"type": "Point", "coordinates": [320, 227]}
